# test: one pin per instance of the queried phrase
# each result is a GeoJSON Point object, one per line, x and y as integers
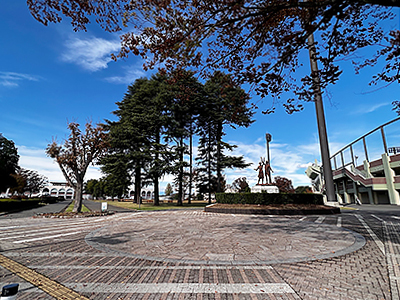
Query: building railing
{"type": "Point", "coordinates": [350, 147]}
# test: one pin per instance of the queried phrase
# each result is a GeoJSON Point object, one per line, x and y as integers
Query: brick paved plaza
{"type": "Point", "coordinates": [198, 255]}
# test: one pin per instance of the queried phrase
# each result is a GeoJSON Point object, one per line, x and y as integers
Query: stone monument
{"type": "Point", "coordinates": [264, 170]}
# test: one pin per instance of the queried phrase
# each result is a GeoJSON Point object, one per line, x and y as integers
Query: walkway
{"type": "Point", "coordinates": [197, 255]}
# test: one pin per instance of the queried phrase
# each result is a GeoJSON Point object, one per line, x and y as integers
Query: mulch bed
{"type": "Point", "coordinates": [70, 215]}
{"type": "Point", "coordinates": [273, 209]}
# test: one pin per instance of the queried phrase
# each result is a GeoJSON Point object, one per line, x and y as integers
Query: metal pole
{"type": "Point", "coordinates": [341, 155]}
{"type": "Point", "coordinates": [268, 138]}
{"type": "Point", "coordinates": [365, 149]}
{"type": "Point", "coordinates": [352, 154]}
{"type": "Point", "coordinates": [323, 137]}
{"type": "Point", "coordinates": [384, 140]}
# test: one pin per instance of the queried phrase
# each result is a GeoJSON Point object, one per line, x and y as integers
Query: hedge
{"type": "Point", "coordinates": [266, 198]}
{"type": "Point", "coordinates": [7, 205]}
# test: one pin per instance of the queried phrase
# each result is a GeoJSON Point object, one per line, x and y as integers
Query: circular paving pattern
{"type": "Point", "coordinates": [199, 238]}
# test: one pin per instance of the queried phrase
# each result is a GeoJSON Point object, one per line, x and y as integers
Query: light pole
{"type": "Point", "coordinates": [268, 138]}
{"type": "Point", "coordinates": [323, 136]}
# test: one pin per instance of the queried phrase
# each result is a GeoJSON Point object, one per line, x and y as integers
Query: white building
{"type": "Point", "coordinates": [61, 189]}
{"type": "Point", "coordinates": [58, 189]}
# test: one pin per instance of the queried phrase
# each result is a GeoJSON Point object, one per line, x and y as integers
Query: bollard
{"type": "Point", "coordinates": [9, 292]}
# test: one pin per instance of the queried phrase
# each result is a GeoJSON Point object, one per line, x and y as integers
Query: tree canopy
{"type": "Point", "coordinates": [157, 116]}
{"type": "Point", "coordinates": [8, 163]}
{"type": "Point", "coordinates": [284, 184]}
{"type": "Point", "coordinates": [260, 42]}
{"type": "Point", "coordinates": [240, 185]}
{"type": "Point", "coordinates": [29, 181]}
{"type": "Point", "coordinates": [78, 152]}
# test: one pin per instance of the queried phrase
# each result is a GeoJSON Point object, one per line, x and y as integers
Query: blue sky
{"type": "Point", "coordinates": [52, 75]}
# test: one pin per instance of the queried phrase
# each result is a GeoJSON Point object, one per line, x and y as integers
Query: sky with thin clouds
{"type": "Point", "coordinates": [50, 76]}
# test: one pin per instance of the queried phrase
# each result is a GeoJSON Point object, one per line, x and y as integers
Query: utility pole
{"type": "Point", "coordinates": [323, 136]}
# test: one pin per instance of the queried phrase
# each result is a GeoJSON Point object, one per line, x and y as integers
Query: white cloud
{"type": "Point", "coordinates": [129, 77]}
{"type": "Point", "coordinates": [285, 162]}
{"type": "Point", "coordinates": [365, 109]}
{"type": "Point", "coordinates": [12, 79]}
{"type": "Point", "coordinates": [92, 54]}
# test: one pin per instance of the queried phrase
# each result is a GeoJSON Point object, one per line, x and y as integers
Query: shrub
{"type": "Point", "coordinates": [266, 198]}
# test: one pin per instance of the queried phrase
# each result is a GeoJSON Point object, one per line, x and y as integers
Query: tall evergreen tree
{"type": "Point", "coordinates": [137, 135]}
{"type": "Point", "coordinates": [183, 102]}
{"type": "Point", "coordinates": [225, 104]}
{"type": "Point", "coordinates": [8, 163]}
{"type": "Point", "coordinates": [118, 177]}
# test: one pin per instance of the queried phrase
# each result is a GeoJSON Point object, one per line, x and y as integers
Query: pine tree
{"type": "Point", "coordinates": [184, 95]}
{"type": "Point", "coordinates": [8, 163]}
{"type": "Point", "coordinates": [225, 103]}
{"type": "Point", "coordinates": [137, 135]}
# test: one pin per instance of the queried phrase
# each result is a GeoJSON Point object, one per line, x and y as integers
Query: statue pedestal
{"type": "Point", "coordinates": [258, 188]}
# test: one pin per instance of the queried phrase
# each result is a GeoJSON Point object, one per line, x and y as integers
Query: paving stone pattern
{"type": "Point", "coordinates": [103, 258]}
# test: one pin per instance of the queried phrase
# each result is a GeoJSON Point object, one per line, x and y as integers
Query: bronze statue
{"type": "Point", "coordinates": [260, 173]}
{"type": "Point", "coordinates": [268, 171]}
{"type": "Point", "coordinates": [264, 168]}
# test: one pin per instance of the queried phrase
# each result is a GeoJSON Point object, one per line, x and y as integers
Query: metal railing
{"type": "Point", "coordinates": [340, 153]}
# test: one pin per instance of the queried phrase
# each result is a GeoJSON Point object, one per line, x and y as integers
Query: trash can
{"type": "Point", "coordinates": [9, 292]}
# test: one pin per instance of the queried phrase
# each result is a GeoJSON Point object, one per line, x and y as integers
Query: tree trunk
{"type": "Point", "coordinates": [219, 138]}
{"type": "Point", "coordinates": [156, 192]}
{"type": "Point", "coordinates": [180, 175]}
{"type": "Point", "coordinates": [138, 187]}
{"type": "Point", "coordinates": [78, 198]}
{"type": "Point", "coordinates": [209, 165]}
{"type": "Point", "coordinates": [156, 174]}
{"type": "Point", "coordinates": [191, 163]}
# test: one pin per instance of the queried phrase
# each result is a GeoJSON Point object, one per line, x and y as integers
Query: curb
{"type": "Point", "coordinates": [327, 211]}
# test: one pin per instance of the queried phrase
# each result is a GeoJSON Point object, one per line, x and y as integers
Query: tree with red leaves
{"type": "Point", "coordinates": [260, 42]}
{"type": "Point", "coordinates": [284, 185]}
{"type": "Point", "coordinates": [78, 152]}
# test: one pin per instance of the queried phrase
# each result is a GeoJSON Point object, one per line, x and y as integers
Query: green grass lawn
{"type": "Point", "coordinates": [71, 206]}
{"type": "Point", "coordinates": [150, 206]}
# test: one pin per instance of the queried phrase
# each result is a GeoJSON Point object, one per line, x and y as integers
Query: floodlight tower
{"type": "Point", "coordinates": [268, 138]}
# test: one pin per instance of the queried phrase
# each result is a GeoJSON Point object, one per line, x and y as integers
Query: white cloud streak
{"type": "Point", "coordinates": [92, 54]}
{"type": "Point", "coordinates": [370, 108]}
{"type": "Point", "coordinates": [129, 77]}
{"type": "Point", "coordinates": [12, 79]}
